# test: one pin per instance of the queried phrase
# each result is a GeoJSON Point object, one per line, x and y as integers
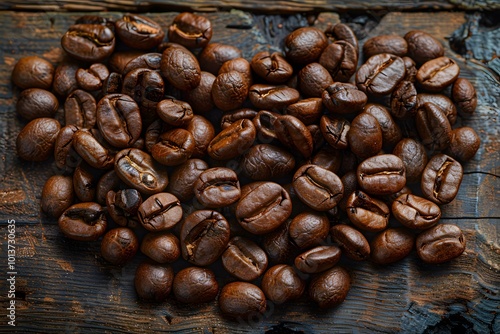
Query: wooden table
{"type": "Point", "coordinates": [66, 287]}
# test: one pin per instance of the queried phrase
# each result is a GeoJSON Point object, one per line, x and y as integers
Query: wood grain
{"type": "Point", "coordinates": [66, 287]}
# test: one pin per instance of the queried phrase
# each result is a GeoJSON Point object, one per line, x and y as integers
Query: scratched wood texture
{"type": "Point", "coordinates": [66, 287]}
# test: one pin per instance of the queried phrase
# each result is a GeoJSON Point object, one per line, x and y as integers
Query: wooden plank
{"type": "Point", "coordinates": [64, 286]}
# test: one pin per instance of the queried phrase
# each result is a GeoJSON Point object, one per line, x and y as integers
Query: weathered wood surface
{"type": "Point", "coordinates": [66, 287]}
{"type": "Point", "coordinates": [265, 6]}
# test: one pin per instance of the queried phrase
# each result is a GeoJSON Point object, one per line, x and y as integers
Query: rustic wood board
{"type": "Point", "coordinates": [66, 287]}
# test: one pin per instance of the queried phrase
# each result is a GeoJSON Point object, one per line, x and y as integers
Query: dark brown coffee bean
{"type": "Point", "coordinates": [350, 183]}
{"type": "Point", "coordinates": [437, 74]}
{"type": "Point", "coordinates": [123, 205]}
{"type": "Point", "coordinates": [391, 133]}
{"type": "Point", "coordinates": [282, 284]}
{"type": "Point", "coordinates": [119, 245]}
{"type": "Point", "coordinates": [217, 187]}
{"type": "Point", "coordinates": [342, 32]}
{"type": "Point", "coordinates": [33, 72]}
{"type": "Point", "coordinates": [190, 30]}
{"type": "Point", "coordinates": [230, 90]}
{"type": "Point", "coordinates": [162, 247]}
{"type": "Point", "coordinates": [367, 213]}
{"type": "Point", "coordinates": [232, 141]}
{"type": "Point", "coordinates": [200, 97]}
{"type": "Point", "coordinates": [244, 259]}
{"type": "Point", "coordinates": [391, 245]}
{"type": "Point", "coordinates": [267, 162]}
{"type": "Point", "coordinates": [264, 124]}
{"type": "Point", "coordinates": [422, 47]}
{"type": "Point", "coordinates": [464, 143]}
{"type": "Point", "coordinates": [89, 42]}
{"type": "Point", "coordinates": [173, 147]}
{"type": "Point", "coordinates": [83, 221]}
{"type": "Point", "coordinates": [441, 179]}
{"type": "Point", "coordinates": [231, 117]}
{"type": "Point", "coordinates": [335, 131]}
{"type": "Point", "coordinates": [328, 158]}
{"type": "Point", "coordinates": [181, 68]}
{"type": "Point", "coordinates": [92, 79]}
{"type": "Point", "coordinates": [352, 242]}
{"type": "Point", "coordinates": [274, 68]}
{"type": "Point", "coordinates": [159, 212]}
{"type": "Point", "coordinates": [80, 109]}
{"type": "Point", "coordinates": [272, 97]}
{"type": "Point", "coordinates": [392, 44]}
{"type": "Point", "coordinates": [442, 102]}
{"type": "Point", "coordinates": [195, 285]}
{"type": "Point", "coordinates": [309, 229]}
{"type": "Point", "coordinates": [203, 133]}
{"type": "Point", "coordinates": [330, 288]}
{"type": "Point", "coordinates": [153, 281]}
{"type": "Point", "coordinates": [204, 237]}
{"type": "Point", "coordinates": [108, 182]}
{"type": "Point", "coordinates": [414, 158]}
{"type": "Point", "coordinates": [380, 74]}
{"type": "Point", "coordinates": [95, 154]}
{"type": "Point", "coordinates": [65, 77]}
{"type": "Point", "coordinates": [65, 156]}
{"type": "Point", "coordinates": [37, 139]}
{"type": "Point", "coordinates": [278, 245]}
{"type": "Point", "coordinates": [263, 207]}
{"type": "Point", "coordinates": [313, 79]}
{"type": "Point", "coordinates": [150, 61]}
{"type": "Point", "coordinates": [305, 45]}
{"type": "Point", "coordinates": [404, 100]}
{"type": "Point", "coordinates": [85, 180]}
{"type": "Point", "coordinates": [433, 127]}
{"type": "Point", "coordinates": [382, 174]}
{"type": "Point", "coordinates": [308, 111]}
{"type": "Point", "coordinates": [239, 65]}
{"type": "Point", "coordinates": [57, 195]}
{"type": "Point", "coordinates": [183, 177]}
{"type": "Point", "coordinates": [464, 95]}
{"type": "Point", "coordinates": [343, 98]}
{"type": "Point", "coordinates": [340, 59]}
{"type": "Point", "coordinates": [36, 103]}
{"type": "Point", "coordinates": [318, 259]}
{"type": "Point", "coordinates": [139, 32]}
{"type": "Point", "coordinates": [415, 212]}
{"type": "Point", "coordinates": [292, 133]}
{"type": "Point", "coordinates": [242, 300]}
{"type": "Point", "coordinates": [365, 136]}
{"type": "Point", "coordinates": [439, 244]}
{"type": "Point", "coordinates": [146, 87]}
{"type": "Point", "coordinates": [215, 54]}
{"type": "Point", "coordinates": [411, 69]}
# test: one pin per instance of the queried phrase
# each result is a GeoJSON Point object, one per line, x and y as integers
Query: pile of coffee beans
{"type": "Point", "coordinates": [275, 167]}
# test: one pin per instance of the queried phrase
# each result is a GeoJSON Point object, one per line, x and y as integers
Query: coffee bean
{"type": "Point", "coordinates": [139, 32]}
{"type": "Point", "coordinates": [391, 133]}
{"type": "Point", "coordinates": [308, 111]}
{"type": "Point", "coordinates": [414, 157]}
{"type": "Point", "coordinates": [200, 97]}
{"type": "Point", "coordinates": [382, 174]}
{"type": "Point", "coordinates": [181, 68]}
{"type": "Point", "coordinates": [441, 179]}
{"type": "Point", "coordinates": [272, 97]}
{"type": "Point", "coordinates": [330, 288]}
{"type": "Point", "coordinates": [65, 77]}
{"type": "Point", "coordinates": [282, 284]}
{"type": "Point", "coordinates": [33, 72]}
{"type": "Point", "coordinates": [442, 102]}
{"type": "Point", "coordinates": [392, 44]}
{"type": "Point", "coordinates": [340, 59]}
{"type": "Point", "coordinates": [391, 245]}
{"type": "Point", "coordinates": [159, 212]}
{"type": "Point", "coordinates": [342, 32]}
{"type": "Point", "coordinates": [464, 143]}
{"type": "Point", "coordinates": [230, 90]}
{"type": "Point", "coordinates": [404, 100]}
{"type": "Point", "coordinates": [150, 61]}
{"type": "Point", "coordinates": [313, 79]}
{"type": "Point", "coordinates": [318, 259]}
{"type": "Point", "coordinates": [464, 95]}
{"type": "Point", "coordinates": [242, 300]}
{"type": "Point", "coordinates": [437, 74]}
{"type": "Point", "coordinates": [80, 109]}
{"type": "Point", "coordinates": [174, 147]}
{"type": "Point", "coordinates": [433, 127]}
{"type": "Point", "coordinates": [119, 245]}
{"type": "Point", "coordinates": [232, 141]}
{"type": "Point", "coordinates": [264, 124]}
{"type": "Point", "coordinates": [92, 79]}
{"type": "Point", "coordinates": [153, 281]}
{"type": "Point", "coordinates": [274, 68]}
{"type": "Point", "coordinates": [380, 74]}
{"type": "Point", "coordinates": [217, 187]}
{"type": "Point", "coordinates": [215, 54]}
{"type": "Point", "coordinates": [292, 133]}
{"type": "Point", "coordinates": [162, 247]}
{"type": "Point", "coordinates": [190, 30]}
{"type": "Point", "coordinates": [367, 213]}
{"type": "Point", "coordinates": [195, 285]}
{"type": "Point", "coordinates": [343, 98]}
{"type": "Point", "coordinates": [305, 45]}
{"type": "Point", "coordinates": [439, 244]}
{"type": "Point", "coordinates": [84, 221]}
{"type": "Point", "coordinates": [422, 47]}
{"type": "Point", "coordinates": [415, 212]}
{"type": "Point", "coordinates": [36, 103]}
{"type": "Point", "coordinates": [352, 242]}
{"type": "Point", "coordinates": [123, 205]}
{"type": "Point", "coordinates": [309, 229]}
{"type": "Point", "coordinates": [36, 140]}
{"type": "Point", "coordinates": [278, 245]}
{"type": "Point", "coordinates": [244, 259]}
{"type": "Point", "coordinates": [183, 177]}
{"type": "Point", "coordinates": [89, 42]}
{"type": "Point", "coordinates": [365, 136]}
{"type": "Point", "coordinates": [87, 146]}
{"type": "Point", "coordinates": [57, 195]}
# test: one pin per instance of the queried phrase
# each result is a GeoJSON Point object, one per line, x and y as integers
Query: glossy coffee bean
{"type": "Point", "coordinates": [328, 158]}
{"type": "Point", "coordinates": [203, 133]}
{"type": "Point", "coordinates": [464, 95]}
{"type": "Point", "coordinates": [380, 74]}
{"type": "Point", "coordinates": [200, 97]}
{"type": "Point", "coordinates": [352, 242]}
{"type": "Point", "coordinates": [146, 87]}
{"type": "Point", "coordinates": [350, 182]}
{"type": "Point", "coordinates": [309, 229]}
{"type": "Point", "coordinates": [263, 207]}
{"type": "Point", "coordinates": [174, 147]}
{"type": "Point", "coordinates": [391, 245]}
{"type": "Point", "coordinates": [308, 111]}
{"type": "Point", "coordinates": [174, 112]}
{"type": "Point", "coordinates": [95, 154]}
{"type": "Point", "coordinates": [112, 85]}
{"type": "Point", "coordinates": [305, 45]}
{"type": "Point", "coordinates": [162, 247]}
{"type": "Point", "coordinates": [274, 68]}
{"type": "Point", "coordinates": [343, 98]}
{"type": "Point", "coordinates": [441, 179]}
{"type": "Point", "coordinates": [442, 102]}
{"type": "Point", "coordinates": [294, 134]}
{"type": "Point", "coordinates": [422, 46]}
{"type": "Point", "coordinates": [33, 72]}
{"type": "Point", "coordinates": [381, 174]}
{"type": "Point", "coordinates": [365, 136]}
{"type": "Point", "coordinates": [122, 206]}
{"type": "Point", "coordinates": [330, 288]}
{"type": "Point", "coordinates": [140, 171]}
{"type": "Point", "coordinates": [231, 117]}
{"type": "Point", "coordinates": [267, 162]}
{"type": "Point", "coordinates": [95, 19]}
{"type": "Point", "coordinates": [342, 32]}
{"type": "Point", "coordinates": [437, 74]}
{"type": "Point", "coordinates": [433, 127]}
{"type": "Point", "coordinates": [150, 61]}
{"type": "Point", "coordinates": [414, 158]}
{"type": "Point", "coordinates": [282, 284]}
{"type": "Point", "coordinates": [340, 59]}
{"type": "Point", "coordinates": [230, 90]}
{"type": "Point", "coordinates": [391, 133]}
{"type": "Point", "coordinates": [313, 79]}
{"type": "Point", "coordinates": [183, 177]}
{"type": "Point", "coordinates": [464, 143]}
{"type": "Point", "coordinates": [242, 300]}
{"type": "Point", "coordinates": [57, 195]}
{"type": "Point", "coordinates": [215, 54]}
{"type": "Point", "coordinates": [181, 68]}
{"type": "Point", "coordinates": [92, 79]}
{"type": "Point", "coordinates": [404, 100]}
{"type": "Point", "coordinates": [335, 131]}
{"type": "Point", "coordinates": [204, 237]}
{"type": "Point", "coordinates": [367, 213]}
{"type": "Point", "coordinates": [80, 109]}
{"type": "Point", "coordinates": [36, 103]}
{"type": "Point", "coordinates": [271, 97]}
{"type": "Point", "coordinates": [244, 259]}
{"type": "Point", "coordinates": [232, 141]}
{"type": "Point", "coordinates": [84, 221]}
{"type": "Point", "coordinates": [439, 244]}
{"type": "Point", "coordinates": [65, 77]}
{"type": "Point", "coordinates": [139, 32]}
{"type": "Point", "coordinates": [85, 180]}
{"type": "Point", "coordinates": [159, 212]}
{"type": "Point", "coordinates": [195, 285]}
{"type": "Point", "coordinates": [107, 182]}
{"type": "Point", "coordinates": [392, 44]}
{"type": "Point", "coordinates": [415, 212]}
{"type": "Point", "coordinates": [264, 124]}
{"type": "Point", "coordinates": [36, 140]}
{"type": "Point", "coordinates": [239, 65]}
{"type": "Point", "coordinates": [89, 42]}
{"type": "Point", "coordinates": [153, 281]}
{"type": "Point", "coordinates": [217, 187]}
{"type": "Point", "coordinates": [318, 259]}
{"type": "Point", "coordinates": [190, 30]}
{"type": "Point", "coordinates": [119, 245]}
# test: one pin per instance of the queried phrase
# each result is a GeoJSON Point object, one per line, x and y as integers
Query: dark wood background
{"type": "Point", "coordinates": [66, 287]}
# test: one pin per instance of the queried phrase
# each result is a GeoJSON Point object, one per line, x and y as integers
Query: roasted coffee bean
{"type": "Point", "coordinates": [365, 136]}
{"type": "Point", "coordinates": [464, 95]}
{"type": "Point", "coordinates": [232, 141]}
{"type": "Point", "coordinates": [392, 44]}
{"type": "Point", "coordinates": [330, 288]}
{"type": "Point", "coordinates": [36, 103]}
{"type": "Point", "coordinates": [244, 259]}
{"type": "Point", "coordinates": [389, 199]}
{"type": "Point", "coordinates": [380, 74]}
{"type": "Point", "coordinates": [282, 284]}
{"type": "Point", "coordinates": [343, 98]}
{"type": "Point", "coordinates": [318, 259]}
{"type": "Point", "coordinates": [264, 124]}
{"type": "Point", "coordinates": [89, 42]}
{"type": "Point", "coordinates": [242, 300]}
{"type": "Point", "coordinates": [422, 47]}
{"type": "Point", "coordinates": [159, 212]}
{"type": "Point", "coordinates": [65, 77]}
{"type": "Point", "coordinates": [404, 100]}
{"type": "Point", "coordinates": [150, 61]}
{"type": "Point", "coordinates": [37, 139]}
{"type": "Point", "coordinates": [146, 87]}
{"type": "Point", "coordinates": [195, 285]}
{"type": "Point", "coordinates": [204, 237]}
{"type": "Point", "coordinates": [309, 229]}
{"type": "Point", "coordinates": [217, 187]}
{"type": "Point", "coordinates": [305, 45]}
{"type": "Point", "coordinates": [350, 183]}
{"type": "Point", "coordinates": [215, 54]}
{"type": "Point", "coordinates": [340, 59]}
{"type": "Point", "coordinates": [317, 136]}
{"type": "Point", "coordinates": [278, 245]}
{"type": "Point", "coordinates": [107, 182]}
{"type": "Point", "coordinates": [239, 65]}
{"type": "Point", "coordinates": [352, 242]}
{"type": "Point", "coordinates": [92, 79]}
{"type": "Point", "coordinates": [190, 30]}
{"type": "Point", "coordinates": [112, 85]}
{"type": "Point", "coordinates": [272, 97]}
{"type": "Point", "coordinates": [139, 32]}
{"type": "Point", "coordinates": [391, 133]}
{"type": "Point", "coordinates": [382, 174]}
{"type": "Point", "coordinates": [464, 143]}
{"type": "Point", "coordinates": [180, 67]}
{"type": "Point", "coordinates": [183, 177]}
{"type": "Point", "coordinates": [442, 102]}
{"type": "Point", "coordinates": [342, 32]}
{"type": "Point", "coordinates": [65, 156]}
{"type": "Point", "coordinates": [153, 132]}
{"type": "Point", "coordinates": [57, 195]}
{"type": "Point", "coordinates": [267, 162]}
{"type": "Point", "coordinates": [230, 90]}
{"type": "Point", "coordinates": [433, 127]}
{"type": "Point", "coordinates": [80, 109]}
{"type": "Point", "coordinates": [313, 79]}
{"type": "Point", "coordinates": [85, 180]}
{"type": "Point", "coordinates": [33, 72]}
{"type": "Point", "coordinates": [439, 244]}
{"type": "Point", "coordinates": [415, 212]}
{"type": "Point", "coordinates": [335, 131]}
{"type": "Point", "coordinates": [119, 245]}
{"type": "Point", "coordinates": [173, 147]}
{"type": "Point", "coordinates": [231, 117]}
{"type": "Point", "coordinates": [274, 68]}
{"type": "Point", "coordinates": [317, 187]}
{"type": "Point", "coordinates": [292, 133]}
{"type": "Point", "coordinates": [153, 281]}
{"type": "Point", "coordinates": [174, 112]}
{"type": "Point", "coordinates": [140, 171]}
{"type": "Point", "coordinates": [328, 158]}
{"type": "Point", "coordinates": [367, 213]}
{"type": "Point", "coordinates": [437, 74]}
{"type": "Point", "coordinates": [203, 133]}
{"type": "Point", "coordinates": [200, 97]}
{"type": "Point", "coordinates": [414, 158]}
{"type": "Point", "coordinates": [162, 247]}
{"type": "Point", "coordinates": [123, 205]}
{"type": "Point", "coordinates": [441, 179]}
{"type": "Point", "coordinates": [84, 221]}
{"type": "Point", "coordinates": [391, 245]}
{"type": "Point", "coordinates": [308, 111]}
{"type": "Point", "coordinates": [87, 146]}
{"type": "Point", "coordinates": [411, 69]}
{"type": "Point", "coordinates": [263, 207]}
